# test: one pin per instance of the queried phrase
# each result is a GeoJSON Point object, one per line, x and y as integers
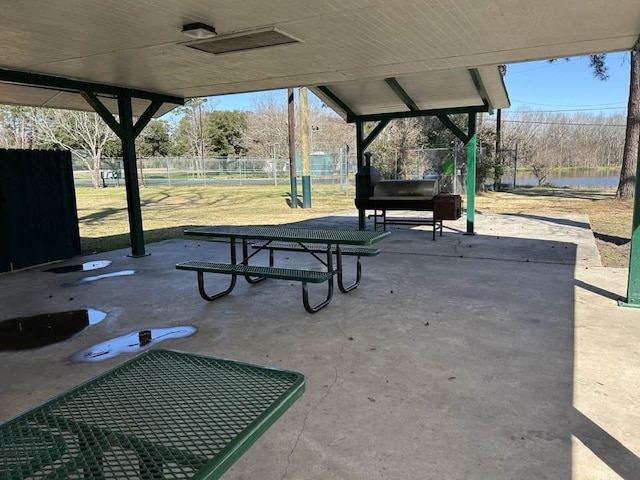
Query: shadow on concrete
{"type": "Point", "coordinates": [454, 243]}
{"type": "Point", "coordinates": [598, 290]}
{"type": "Point", "coordinates": [490, 336]}
{"type": "Point", "coordinates": [559, 221]}
{"type": "Point", "coordinates": [454, 357]}
{"type": "Point", "coordinates": [607, 448]}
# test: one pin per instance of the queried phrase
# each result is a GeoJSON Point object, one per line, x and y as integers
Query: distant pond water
{"type": "Point", "coordinates": [569, 178]}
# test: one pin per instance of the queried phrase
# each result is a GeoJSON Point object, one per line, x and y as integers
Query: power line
{"type": "Point", "coordinates": [520, 112]}
{"type": "Point", "coordinates": [561, 123]}
{"type": "Point", "coordinates": [571, 105]}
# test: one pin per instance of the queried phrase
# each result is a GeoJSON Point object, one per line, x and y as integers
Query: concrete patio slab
{"type": "Point", "coordinates": [501, 355]}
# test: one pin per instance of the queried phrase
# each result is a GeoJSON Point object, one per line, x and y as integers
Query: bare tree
{"type": "Point", "coordinates": [557, 140]}
{"type": "Point", "coordinates": [540, 170]}
{"type": "Point", "coordinates": [267, 134]}
{"type": "Point", "coordinates": [84, 134]}
{"type": "Point", "coordinates": [191, 129]}
{"type": "Point", "coordinates": [16, 127]}
{"type": "Point", "coordinates": [391, 148]}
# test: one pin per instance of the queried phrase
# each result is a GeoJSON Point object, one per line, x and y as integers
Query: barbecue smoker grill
{"type": "Point", "coordinates": [417, 195]}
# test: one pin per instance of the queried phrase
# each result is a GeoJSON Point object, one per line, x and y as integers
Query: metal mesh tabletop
{"type": "Point", "coordinates": [163, 414]}
{"type": "Point", "coordinates": [345, 237]}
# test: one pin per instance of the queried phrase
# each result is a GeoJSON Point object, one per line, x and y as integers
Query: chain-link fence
{"type": "Point", "coordinates": [447, 165]}
{"type": "Point", "coordinates": [338, 169]}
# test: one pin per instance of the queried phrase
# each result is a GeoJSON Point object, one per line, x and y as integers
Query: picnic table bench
{"type": "Point", "coordinates": [161, 415]}
{"type": "Point", "coordinates": [249, 271]}
{"type": "Point", "coordinates": [314, 249]}
{"type": "Point", "coordinates": [312, 241]}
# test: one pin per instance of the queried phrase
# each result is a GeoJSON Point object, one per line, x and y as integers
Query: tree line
{"type": "Point", "coordinates": [560, 140]}
{"type": "Point", "coordinates": [544, 140]}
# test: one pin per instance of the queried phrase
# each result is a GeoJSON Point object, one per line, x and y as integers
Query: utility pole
{"type": "Point", "coordinates": [498, 156]}
{"type": "Point", "coordinates": [304, 147]}
{"type": "Point", "coordinates": [515, 167]}
{"type": "Point", "coordinates": [292, 149]}
{"type": "Point", "coordinates": [498, 129]}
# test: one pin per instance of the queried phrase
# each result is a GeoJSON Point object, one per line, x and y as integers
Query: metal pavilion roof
{"type": "Point", "coordinates": [440, 53]}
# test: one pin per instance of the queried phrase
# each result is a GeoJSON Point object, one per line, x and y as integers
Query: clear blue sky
{"type": "Point", "coordinates": [569, 85]}
{"type": "Point", "coordinates": [562, 85]}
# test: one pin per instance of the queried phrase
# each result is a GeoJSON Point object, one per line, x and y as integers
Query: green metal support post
{"type": "Point", "coordinates": [131, 175]}
{"type": "Point", "coordinates": [633, 281]}
{"type": "Point", "coordinates": [362, 222]}
{"type": "Point", "coordinates": [363, 176]}
{"type": "Point", "coordinates": [471, 173]}
{"type": "Point", "coordinates": [127, 132]}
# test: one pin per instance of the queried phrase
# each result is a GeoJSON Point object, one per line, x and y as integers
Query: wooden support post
{"type": "Point", "coordinates": [499, 159]}
{"type": "Point", "coordinates": [293, 178]}
{"type": "Point", "coordinates": [304, 147]}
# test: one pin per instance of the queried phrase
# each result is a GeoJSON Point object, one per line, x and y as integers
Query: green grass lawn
{"type": "Point", "coordinates": [166, 211]}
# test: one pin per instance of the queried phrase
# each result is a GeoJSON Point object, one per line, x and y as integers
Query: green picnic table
{"type": "Point", "coordinates": [313, 241]}
{"type": "Point", "coordinates": [162, 415]}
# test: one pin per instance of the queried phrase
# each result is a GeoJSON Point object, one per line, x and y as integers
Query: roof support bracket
{"type": "Point", "coordinates": [146, 117]}
{"type": "Point", "coordinates": [447, 122]}
{"type": "Point", "coordinates": [93, 100]}
{"type": "Point", "coordinates": [127, 131]}
{"type": "Point", "coordinates": [335, 99]}
{"type": "Point", "coordinates": [373, 134]}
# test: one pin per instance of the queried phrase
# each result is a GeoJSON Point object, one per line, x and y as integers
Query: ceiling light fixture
{"type": "Point", "coordinates": [199, 30]}
{"type": "Point", "coordinates": [245, 40]}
